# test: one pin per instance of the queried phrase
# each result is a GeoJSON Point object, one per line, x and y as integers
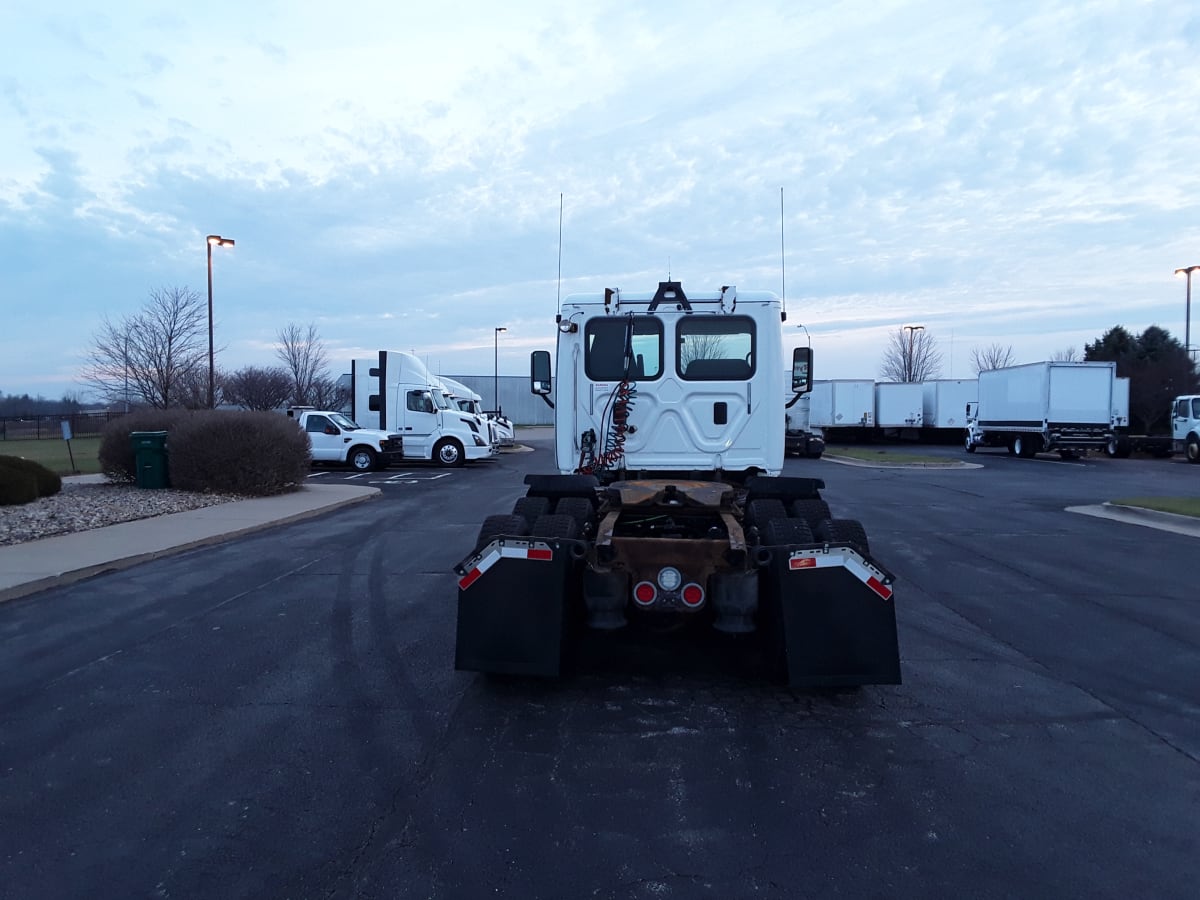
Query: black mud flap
{"type": "Point", "coordinates": [833, 609]}
{"type": "Point", "coordinates": [513, 601]}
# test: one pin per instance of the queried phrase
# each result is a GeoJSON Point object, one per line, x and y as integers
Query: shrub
{"type": "Point", "coordinates": [254, 453]}
{"type": "Point", "coordinates": [116, 455]}
{"type": "Point", "coordinates": [47, 482]}
{"type": "Point", "coordinates": [17, 486]}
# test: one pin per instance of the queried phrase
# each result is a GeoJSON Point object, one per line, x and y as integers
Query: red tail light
{"type": "Point", "coordinates": [693, 595]}
{"type": "Point", "coordinates": [645, 593]}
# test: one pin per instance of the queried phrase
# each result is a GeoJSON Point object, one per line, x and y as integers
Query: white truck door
{"type": "Point", "coordinates": [328, 442]}
{"type": "Point", "coordinates": [421, 423]}
{"type": "Point", "coordinates": [1184, 417]}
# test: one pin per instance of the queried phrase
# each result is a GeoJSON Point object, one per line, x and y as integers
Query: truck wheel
{"type": "Point", "coordinates": [1193, 449]}
{"type": "Point", "coordinates": [448, 453]}
{"type": "Point", "coordinates": [784, 532]}
{"type": "Point", "coordinates": [555, 526]}
{"type": "Point", "coordinates": [529, 508]}
{"type": "Point", "coordinates": [968, 445]}
{"type": "Point", "coordinates": [764, 509]}
{"type": "Point", "coordinates": [1113, 448]}
{"type": "Point", "coordinates": [844, 531]}
{"type": "Point", "coordinates": [578, 508]}
{"type": "Point", "coordinates": [1019, 447]}
{"type": "Point", "coordinates": [812, 511]}
{"type": "Point", "coordinates": [494, 526]}
{"type": "Point", "coordinates": [362, 459]}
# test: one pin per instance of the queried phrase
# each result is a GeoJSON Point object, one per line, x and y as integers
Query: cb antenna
{"type": "Point", "coordinates": [560, 217]}
{"type": "Point", "coordinates": [782, 260]}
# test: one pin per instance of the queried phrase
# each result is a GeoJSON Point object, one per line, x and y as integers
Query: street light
{"type": "Point", "coordinates": [908, 361]}
{"type": "Point", "coordinates": [496, 370]}
{"type": "Point", "coordinates": [213, 240]}
{"type": "Point", "coordinates": [1187, 323]}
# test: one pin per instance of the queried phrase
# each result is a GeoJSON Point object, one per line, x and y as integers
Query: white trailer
{"type": "Point", "coordinates": [944, 402]}
{"type": "Point", "coordinates": [843, 407]}
{"type": "Point", "coordinates": [1045, 406]}
{"type": "Point", "coordinates": [899, 405]}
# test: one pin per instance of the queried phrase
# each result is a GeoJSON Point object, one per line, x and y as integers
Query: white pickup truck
{"type": "Point", "coordinates": [336, 438]}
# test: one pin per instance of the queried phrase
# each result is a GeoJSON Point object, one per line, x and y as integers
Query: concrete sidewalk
{"type": "Point", "coordinates": [36, 565]}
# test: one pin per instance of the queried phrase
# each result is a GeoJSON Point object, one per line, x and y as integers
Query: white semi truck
{"type": "Point", "coordinates": [1185, 426]}
{"type": "Point", "coordinates": [395, 391]}
{"type": "Point", "coordinates": [1063, 407]}
{"type": "Point", "coordinates": [468, 400]}
{"type": "Point", "coordinates": [667, 509]}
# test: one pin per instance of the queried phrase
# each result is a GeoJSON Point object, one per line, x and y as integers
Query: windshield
{"type": "Point", "coordinates": [440, 399]}
{"type": "Point", "coordinates": [344, 422]}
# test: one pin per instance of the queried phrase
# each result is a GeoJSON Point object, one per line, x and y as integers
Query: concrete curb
{"type": "Point", "coordinates": [865, 464]}
{"type": "Point", "coordinates": [1147, 518]}
{"type": "Point", "coordinates": [33, 566]}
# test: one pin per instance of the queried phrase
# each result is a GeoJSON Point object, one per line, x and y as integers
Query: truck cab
{"type": "Point", "coordinates": [1185, 426]}
{"type": "Point", "coordinates": [396, 391]}
{"type": "Point", "coordinates": [702, 370]}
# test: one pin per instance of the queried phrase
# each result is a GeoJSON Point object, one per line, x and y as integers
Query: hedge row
{"type": "Point", "coordinates": [23, 481]}
{"type": "Point", "coordinates": [214, 451]}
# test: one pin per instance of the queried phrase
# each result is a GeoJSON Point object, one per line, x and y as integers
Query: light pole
{"type": "Point", "coordinates": [496, 364]}
{"type": "Point", "coordinates": [908, 360]}
{"type": "Point", "coordinates": [1187, 322]}
{"type": "Point", "coordinates": [213, 240]}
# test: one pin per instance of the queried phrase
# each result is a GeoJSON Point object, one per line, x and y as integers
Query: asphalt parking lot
{"type": "Point", "coordinates": [279, 716]}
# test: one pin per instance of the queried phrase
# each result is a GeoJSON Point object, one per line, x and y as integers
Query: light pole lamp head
{"type": "Point", "coordinates": [215, 240]}
{"type": "Point", "coordinates": [500, 329]}
{"type": "Point", "coordinates": [1186, 270]}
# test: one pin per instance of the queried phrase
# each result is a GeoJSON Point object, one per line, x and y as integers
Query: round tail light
{"type": "Point", "coordinates": [693, 595]}
{"type": "Point", "coordinates": [644, 594]}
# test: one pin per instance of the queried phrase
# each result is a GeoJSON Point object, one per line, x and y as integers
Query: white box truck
{"type": "Point", "coordinates": [899, 405]}
{"type": "Point", "coordinates": [396, 392]}
{"type": "Point", "coordinates": [944, 403]}
{"type": "Point", "coordinates": [1064, 407]}
{"type": "Point", "coordinates": [843, 408]}
{"type": "Point", "coordinates": [1123, 441]}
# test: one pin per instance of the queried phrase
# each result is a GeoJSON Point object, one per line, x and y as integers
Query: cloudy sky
{"type": "Point", "coordinates": [1026, 173]}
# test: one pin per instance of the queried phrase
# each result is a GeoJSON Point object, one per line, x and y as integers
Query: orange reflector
{"type": "Point", "coordinates": [803, 562]}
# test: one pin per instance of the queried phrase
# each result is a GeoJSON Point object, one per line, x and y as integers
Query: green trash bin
{"type": "Point", "coordinates": [150, 458]}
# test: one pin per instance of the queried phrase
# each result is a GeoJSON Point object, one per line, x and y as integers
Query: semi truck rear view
{"type": "Point", "coordinates": [668, 509]}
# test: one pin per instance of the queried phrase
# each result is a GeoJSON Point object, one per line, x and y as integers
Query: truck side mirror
{"type": "Point", "coordinates": [539, 372]}
{"type": "Point", "coordinates": [802, 370]}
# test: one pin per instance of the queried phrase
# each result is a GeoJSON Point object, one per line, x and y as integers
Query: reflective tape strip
{"type": "Point", "coordinates": [498, 550]}
{"type": "Point", "coordinates": [840, 557]}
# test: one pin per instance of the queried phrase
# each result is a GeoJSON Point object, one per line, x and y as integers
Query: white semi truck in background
{"type": "Point", "coordinates": [395, 391]}
{"type": "Point", "coordinates": [668, 510]}
{"type": "Point", "coordinates": [1063, 407]}
{"type": "Point", "coordinates": [468, 400]}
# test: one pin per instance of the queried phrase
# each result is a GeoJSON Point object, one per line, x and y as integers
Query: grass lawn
{"type": "Point", "coordinates": [884, 455]}
{"type": "Point", "coordinates": [52, 453]}
{"type": "Point", "coordinates": [1182, 506]}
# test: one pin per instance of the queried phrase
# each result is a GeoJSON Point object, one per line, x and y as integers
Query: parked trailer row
{"type": "Point", "coordinates": [858, 408]}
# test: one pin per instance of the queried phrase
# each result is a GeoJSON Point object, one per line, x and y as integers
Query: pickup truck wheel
{"type": "Point", "coordinates": [448, 453]}
{"type": "Point", "coordinates": [363, 459]}
{"type": "Point", "coordinates": [1193, 449]}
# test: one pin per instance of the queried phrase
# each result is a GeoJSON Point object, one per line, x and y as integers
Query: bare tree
{"type": "Point", "coordinates": [1070, 354]}
{"type": "Point", "coordinates": [911, 355]}
{"type": "Point", "coordinates": [257, 388]}
{"type": "Point", "coordinates": [327, 393]}
{"type": "Point", "coordinates": [993, 356]}
{"type": "Point", "coordinates": [149, 356]}
{"type": "Point", "coordinates": [303, 357]}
